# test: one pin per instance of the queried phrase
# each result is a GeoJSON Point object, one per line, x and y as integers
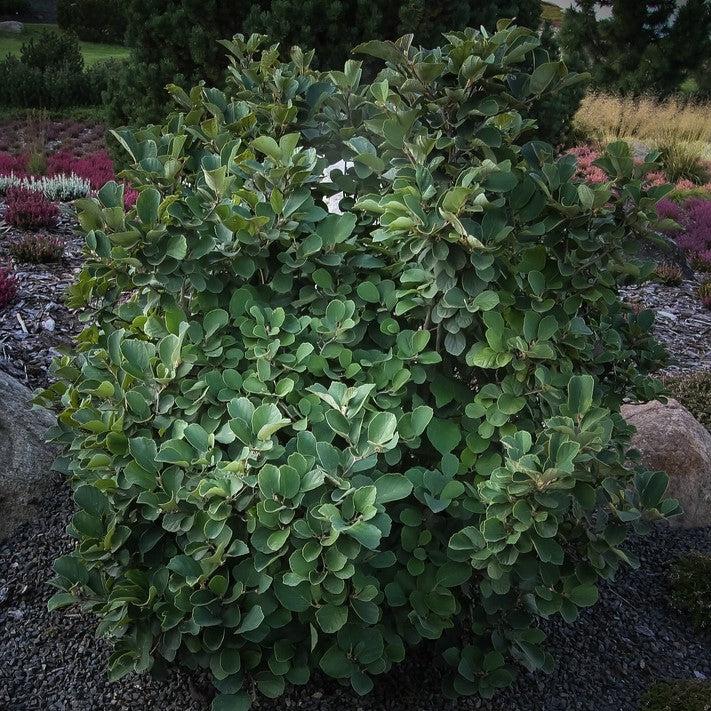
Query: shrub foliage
{"type": "Point", "coordinates": [49, 73]}
{"type": "Point", "coordinates": [165, 51]}
{"type": "Point", "coordinates": [641, 46]}
{"type": "Point", "coordinates": [303, 439]}
{"type": "Point", "coordinates": [690, 580]}
{"type": "Point", "coordinates": [38, 248]}
{"type": "Point", "coordinates": [93, 20]}
{"type": "Point", "coordinates": [693, 391]}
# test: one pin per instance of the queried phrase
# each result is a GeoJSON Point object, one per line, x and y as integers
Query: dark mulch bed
{"type": "Point", "coordinates": [37, 324]}
{"type": "Point", "coordinates": [682, 322]}
{"type": "Point", "coordinates": [606, 661]}
{"type": "Point", "coordinates": [75, 137]}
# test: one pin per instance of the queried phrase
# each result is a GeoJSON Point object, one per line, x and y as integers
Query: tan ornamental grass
{"type": "Point", "coordinates": [604, 117]}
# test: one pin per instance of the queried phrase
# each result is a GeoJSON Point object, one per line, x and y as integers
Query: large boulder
{"type": "Point", "coordinates": [25, 458]}
{"type": "Point", "coordinates": [671, 439]}
{"type": "Point", "coordinates": [12, 27]}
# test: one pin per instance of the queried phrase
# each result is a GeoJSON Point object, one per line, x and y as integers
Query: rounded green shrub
{"type": "Point", "coordinates": [693, 391]}
{"type": "Point", "coordinates": [48, 74]}
{"type": "Point", "coordinates": [690, 580]}
{"type": "Point", "coordinates": [305, 439]}
{"type": "Point", "coordinates": [50, 49]}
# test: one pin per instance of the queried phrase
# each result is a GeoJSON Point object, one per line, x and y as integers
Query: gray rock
{"type": "Point", "coordinates": [12, 26]}
{"type": "Point", "coordinates": [25, 458]}
{"type": "Point", "coordinates": [671, 439]}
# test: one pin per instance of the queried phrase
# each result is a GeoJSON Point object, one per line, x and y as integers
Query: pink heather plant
{"type": "Point", "coordinates": [668, 209]}
{"type": "Point", "coordinates": [13, 165]}
{"type": "Point", "coordinates": [685, 184]}
{"type": "Point", "coordinates": [8, 287]}
{"type": "Point", "coordinates": [97, 168]}
{"type": "Point", "coordinates": [586, 171]}
{"type": "Point", "coordinates": [30, 210]}
{"type": "Point", "coordinates": [130, 195]}
{"type": "Point", "coordinates": [694, 217]}
{"type": "Point", "coordinates": [656, 178]}
{"type": "Point", "coordinates": [697, 225]}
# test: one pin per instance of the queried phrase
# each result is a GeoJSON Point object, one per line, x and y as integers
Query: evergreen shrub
{"type": "Point", "coordinates": [301, 439]}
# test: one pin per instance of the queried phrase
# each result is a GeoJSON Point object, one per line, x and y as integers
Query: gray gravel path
{"type": "Point", "coordinates": [52, 662]}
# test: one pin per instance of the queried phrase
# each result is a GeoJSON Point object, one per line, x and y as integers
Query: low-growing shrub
{"type": "Point", "coordinates": [690, 580]}
{"type": "Point", "coordinates": [68, 176]}
{"type": "Point", "coordinates": [701, 261]}
{"type": "Point", "coordinates": [8, 287]}
{"type": "Point", "coordinates": [101, 76]}
{"type": "Point", "coordinates": [13, 165]}
{"type": "Point", "coordinates": [587, 170]}
{"type": "Point", "coordinates": [29, 210]}
{"type": "Point", "coordinates": [704, 293]}
{"type": "Point", "coordinates": [366, 429]}
{"type": "Point", "coordinates": [26, 86]}
{"type": "Point", "coordinates": [669, 274]}
{"type": "Point", "coordinates": [130, 197]}
{"type": "Point", "coordinates": [693, 219]}
{"type": "Point", "coordinates": [49, 74]}
{"type": "Point", "coordinates": [57, 188]}
{"type": "Point", "coordinates": [693, 391]}
{"type": "Point", "coordinates": [683, 695]}
{"type": "Point", "coordinates": [682, 162]}
{"type": "Point", "coordinates": [51, 49]}
{"type": "Point", "coordinates": [37, 249]}
{"type": "Point", "coordinates": [96, 168]}
{"type": "Point", "coordinates": [587, 157]}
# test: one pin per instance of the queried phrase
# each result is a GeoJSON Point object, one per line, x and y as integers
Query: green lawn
{"type": "Point", "coordinates": [92, 51]}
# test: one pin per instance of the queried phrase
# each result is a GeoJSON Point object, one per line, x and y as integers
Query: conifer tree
{"type": "Point", "coordinates": [648, 46]}
{"type": "Point", "coordinates": [176, 41]}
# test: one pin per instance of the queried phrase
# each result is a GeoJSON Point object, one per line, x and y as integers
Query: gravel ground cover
{"type": "Point", "coordinates": [682, 322]}
{"type": "Point", "coordinates": [606, 661]}
{"type": "Point", "coordinates": [37, 324]}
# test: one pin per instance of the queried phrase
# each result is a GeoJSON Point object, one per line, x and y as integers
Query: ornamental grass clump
{"type": "Point", "coordinates": [301, 440]}
{"type": "Point", "coordinates": [704, 293]}
{"type": "Point", "coordinates": [669, 274]}
{"type": "Point", "coordinates": [37, 249]}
